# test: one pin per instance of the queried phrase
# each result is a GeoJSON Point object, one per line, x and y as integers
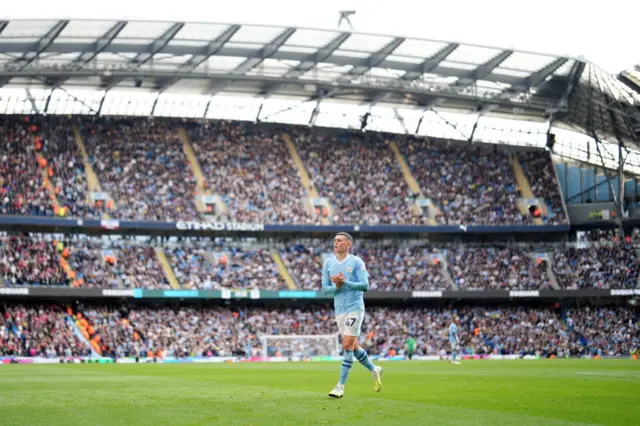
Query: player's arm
{"type": "Point", "coordinates": [362, 278]}
{"type": "Point", "coordinates": [327, 286]}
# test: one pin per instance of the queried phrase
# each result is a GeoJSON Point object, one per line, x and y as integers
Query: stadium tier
{"type": "Point", "coordinates": [165, 170]}
{"type": "Point", "coordinates": [90, 262]}
{"type": "Point", "coordinates": [139, 331]}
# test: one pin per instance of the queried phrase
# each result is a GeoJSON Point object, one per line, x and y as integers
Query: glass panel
{"type": "Point", "coordinates": [602, 189]}
{"type": "Point", "coordinates": [220, 64]}
{"type": "Point", "coordinates": [458, 65]}
{"type": "Point", "coordinates": [407, 59]}
{"type": "Point", "coordinates": [311, 38]}
{"type": "Point", "coordinates": [204, 32]}
{"type": "Point", "coordinates": [573, 185]}
{"type": "Point", "coordinates": [33, 29]}
{"type": "Point", "coordinates": [472, 54]}
{"type": "Point", "coordinates": [147, 30]}
{"type": "Point", "coordinates": [365, 43]}
{"type": "Point", "coordinates": [588, 185]}
{"type": "Point", "coordinates": [630, 188]}
{"type": "Point", "coordinates": [256, 34]}
{"type": "Point", "coordinates": [87, 29]}
{"type": "Point", "coordinates": [527, 61]}
{"type": "Point", "coordinates": [560, 170]}
{"type": "Point", "coordinates": [419, 48]}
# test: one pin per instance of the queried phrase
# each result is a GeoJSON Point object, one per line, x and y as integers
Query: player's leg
{"type": "Point", "coordinates": [347, 361]}
{"type": "Point", "coordinates": [454, 352]}
{"type": "Point", "coordinates": [363, 358]}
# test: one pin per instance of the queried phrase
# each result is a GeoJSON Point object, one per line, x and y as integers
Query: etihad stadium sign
{"type": "Point", "coordinates": [219, 226]}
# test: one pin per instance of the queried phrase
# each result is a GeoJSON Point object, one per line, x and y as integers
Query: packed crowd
{"type": "Point", "coordinates": [606, 331]}
{"type": "Point", "coordinates": [598, 266]}
{"type": "Point", "coordinates": [21, 181]}
{"type": "Point", "coordinates": [223, 331]}
{"type": "Point", "coordinates": [252, 170]}
{"type": "Point", "coordinates": [32, 261]}
{"type": "Point", "coordinates": [38, 331]}
{"type": "Point", "coordinates": [497, 269]}
{"type": "Point", "coordinates": [470, 185]}
{"type": "Point", "coordinates": [538, 169]}
{"type": "Point", "coordinates": [123, 263]}
{"type": "Point", "coordinates": [141, 165]}
{"type": "Point", "coordinates": [392, 268]}
{"type": "Point", "coordinates": [360, 176]}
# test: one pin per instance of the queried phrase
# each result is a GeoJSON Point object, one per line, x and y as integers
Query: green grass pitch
{"type": "Point", "coordinates": [549, 392]}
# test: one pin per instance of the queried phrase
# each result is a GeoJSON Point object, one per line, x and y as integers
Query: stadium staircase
{"type": "Point", "coordinates": [412, 183]}
{"type": "Point", "coordinates": [525, 188]}
{"type": "Point", "coordinates": [201, 189]}
{"type": "Point", "coordinates": [550, 273]}
{"type": "Point", "coordinates": [444, 264]}
{"type": "Point", "coordinates": [305, 179]}
{"type": "Point", "coordinates": [93, 183]}
{"type": "Point", "coordinates": [166, 268]}
{"type": "Point", "coordinates": [282, 269]}
{"type": "Point", "coordinates": [80, 336]}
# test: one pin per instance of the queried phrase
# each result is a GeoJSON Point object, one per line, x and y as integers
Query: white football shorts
{"type": "Point", "coordinates": [349, 324]}
{"type": "Point", "coordinates": [455, 346]}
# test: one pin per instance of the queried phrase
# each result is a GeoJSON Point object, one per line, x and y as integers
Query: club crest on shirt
{"type": "Point", "coordinates": [349, 269]}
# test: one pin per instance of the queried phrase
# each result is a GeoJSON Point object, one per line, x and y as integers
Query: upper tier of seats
{"type": "Point", "coordinates": [145, 174]}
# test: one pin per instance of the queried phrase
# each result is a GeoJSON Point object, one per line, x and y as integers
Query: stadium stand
{"type": "Point", "coordinates": [182, 331]}
{"type": "Point", "coordinates": [470, 184]}
{"type": "Point", "coordinates": [603, 266]}
{"type": "Point", "coordinates": [497, 268]}
{"type": "Point", "coordinates": [40, 330]}
{"type": "Point", "coordinates": [542, 178]}
{"type": "Point", "coordinates": [141, 165]}
{"type": "Point", "coordinates": [251, 169]}
{"type": "Point", "coordinates": [31, 261]}
{"type": "Point", "coordinates": [359, 175]}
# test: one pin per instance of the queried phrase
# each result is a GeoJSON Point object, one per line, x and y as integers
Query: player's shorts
{"type": "Point", "coordinates": [349, 324]}
{"type": "Point", "coordinates": [455, 346]}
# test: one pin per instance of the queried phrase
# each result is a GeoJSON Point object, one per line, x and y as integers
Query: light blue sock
{"type": "Point", "coordinates": [363, 358]}
{"type": "Point", "coordinates": [347, 363]}
{"type": "Point", "coordinates": [454, 354]}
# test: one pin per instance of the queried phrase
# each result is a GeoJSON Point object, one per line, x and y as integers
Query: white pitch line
{"type": "Point", "coordinates": [634, 374]}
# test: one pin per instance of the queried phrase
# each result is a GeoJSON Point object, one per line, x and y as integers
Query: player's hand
{"type": "Point", "coordinates": [338, 280]}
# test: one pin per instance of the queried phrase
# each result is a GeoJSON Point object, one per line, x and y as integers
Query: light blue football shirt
{"type": "Point", "coordinates": [453, 333]}
{"type": "Point", "coordinates": [349, 297]}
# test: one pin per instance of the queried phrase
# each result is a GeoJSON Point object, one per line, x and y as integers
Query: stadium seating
{"type": "Point", "coordinates": [598, 266]}
{"type": "Point", "coordinates": [252, 170]}
{"type": "Point", "coordinates": [222, 331]}
{"type": "Point", "coordinates": [123, 263]}
{"type": "Point", "coordinates": [541, 176]}
{"type": "Point", "coordinates": [497, 269]}
{"type": "Point", "coordinates": [39, 330]}
{"type": "Point", "coordinates": [141, 165]}
{"type": "Point", "coordinates": [471, 185]}
{"type": "Point", "coordinates": [360, 177]}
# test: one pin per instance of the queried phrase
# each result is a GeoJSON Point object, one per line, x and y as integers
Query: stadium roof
{"type": "Point", "coordinates": [314, 65]}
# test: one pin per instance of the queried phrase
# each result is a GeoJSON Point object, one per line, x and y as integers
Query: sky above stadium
{"type": "Point", "coordinates": [603, 32]}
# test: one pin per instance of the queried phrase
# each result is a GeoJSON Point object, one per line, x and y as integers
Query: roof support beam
{"type": "Point", "coordinates": [485, 69]}
{"type": "Point", "coordinates": [430, 63]}
{"type": "Point", "coordinates": [427, 66]}
{"type": "Point", "coordinates": [250, 63]}
{"type": "Point", "coordinates": [33, 102]}
{"type": "Point", "coordinates": [144, 56]}
{"type": "Point", "coordinates": [539, 76]}
{"type": "Point", "coordinates": [158, 44]}
{"type": "Point", "coordinates": [3, 25]}
{"type": "Point", "coordinates": [101, 43]}
{"type": "Point", "coordinates": [197, 59]}
{"type": "Point", "coordinates": [43, 44]}
{"type": "Point", "coordinates": [376, 58]}
{"type": "Point", "coordinates": [320, 56]}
